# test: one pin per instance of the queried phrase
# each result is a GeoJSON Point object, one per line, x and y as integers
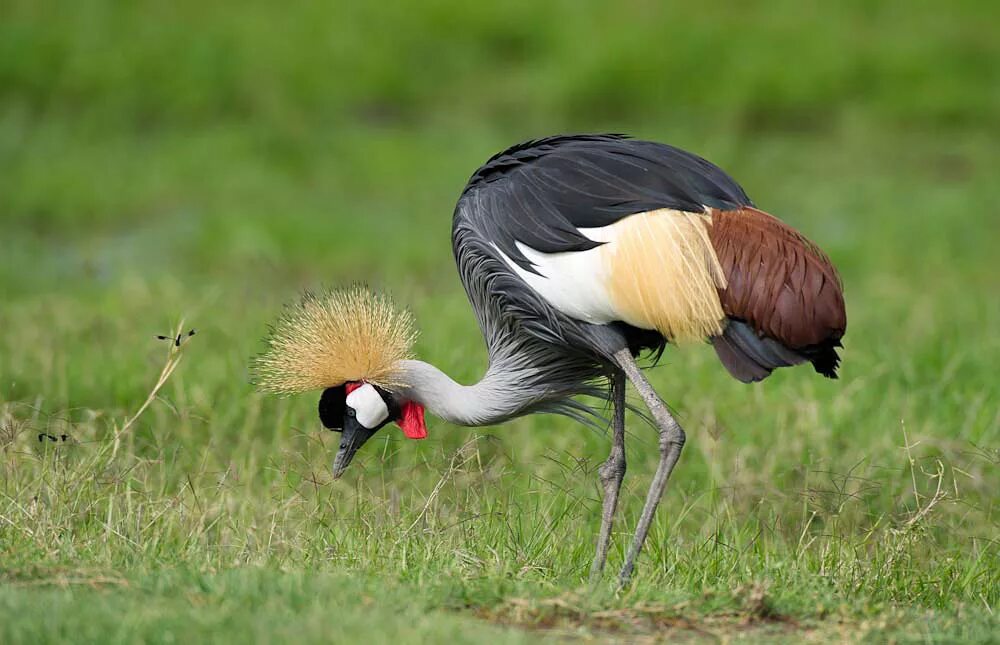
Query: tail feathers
{"type": "Point", "coordinates": [749, 357]}
{"type": "Point", "coordinates": [739, 364]}
{"type": "Point", "coordinates": [824, 358]}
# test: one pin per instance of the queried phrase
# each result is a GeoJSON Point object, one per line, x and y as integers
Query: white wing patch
{"type": "Point", "coordinates": [368, 404]}
{"type": "Point", "coordinates": [574, 282]}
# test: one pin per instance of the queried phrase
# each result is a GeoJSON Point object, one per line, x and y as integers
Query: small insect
{"type": "Point", "coordinates": [42, 436]}
{"type": "Point", "coordinates": [178, 339]}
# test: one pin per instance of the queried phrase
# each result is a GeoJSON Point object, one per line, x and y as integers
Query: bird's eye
{"type": "Point", "coordinates": [351, 413]}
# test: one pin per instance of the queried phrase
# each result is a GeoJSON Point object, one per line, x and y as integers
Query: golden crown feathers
{"type": "Point", "coordinates": [337, 336]}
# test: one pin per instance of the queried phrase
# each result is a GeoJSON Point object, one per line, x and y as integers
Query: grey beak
{"type": "Point", "coordinates": [353, 437]}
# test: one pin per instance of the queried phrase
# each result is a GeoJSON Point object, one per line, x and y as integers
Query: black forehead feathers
{"type": "Point", "coordinates": [331, 407]}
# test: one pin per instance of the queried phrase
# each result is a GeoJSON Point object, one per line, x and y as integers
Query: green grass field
{"type": "Point", "coordinates": [168, 162]}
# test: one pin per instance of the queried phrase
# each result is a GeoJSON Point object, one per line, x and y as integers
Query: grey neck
{"type": "Point", "coordinates": [499, 396]}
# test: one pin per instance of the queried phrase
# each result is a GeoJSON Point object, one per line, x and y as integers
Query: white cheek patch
{"type": "Point", "coordinates": [368, 404]}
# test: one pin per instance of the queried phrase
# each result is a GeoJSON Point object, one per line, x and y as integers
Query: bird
{"type": "Point", "coordinates": [580, 255]}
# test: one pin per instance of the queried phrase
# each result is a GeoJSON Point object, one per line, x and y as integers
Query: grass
{"type": "Point", "coordinates": [152, 172]}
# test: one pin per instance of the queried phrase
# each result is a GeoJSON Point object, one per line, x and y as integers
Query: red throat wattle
{"type": "Point", "coordinates": [412, 421]}
{"type": "Point", "coordinates": [411, 418]}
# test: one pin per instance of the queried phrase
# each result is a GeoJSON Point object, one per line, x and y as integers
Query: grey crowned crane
{"type": "Point", "coordinates": [577, 254]}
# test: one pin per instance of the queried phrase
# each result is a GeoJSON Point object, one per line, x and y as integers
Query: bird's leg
{"type": "Point", "coordinates": [671, 444]}
{"type": "Point", "coordinates": [612, 472]}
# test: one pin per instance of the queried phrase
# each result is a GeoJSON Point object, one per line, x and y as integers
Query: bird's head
{"type": "Point", "coordinates": [359, 410]}
{"type": "Point", "coordinates": [351, 344]}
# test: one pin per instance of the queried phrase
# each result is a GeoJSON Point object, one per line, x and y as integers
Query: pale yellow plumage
{"type": "Point", "coordinates": [663, 274]}
{"type": "Point", "coordinates": [339, 336]}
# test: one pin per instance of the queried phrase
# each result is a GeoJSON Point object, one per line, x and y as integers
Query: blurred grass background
{"type": "Point", "coordinates": [161, 161]}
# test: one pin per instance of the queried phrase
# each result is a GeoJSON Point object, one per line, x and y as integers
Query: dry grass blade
{"type": "Point", "coordinates": [458, 461]}
{"type": "Point", "coordinates": [174, 355]}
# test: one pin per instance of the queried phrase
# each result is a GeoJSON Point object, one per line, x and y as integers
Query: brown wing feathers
{"type": "Point", "coordinates": [783, 287]}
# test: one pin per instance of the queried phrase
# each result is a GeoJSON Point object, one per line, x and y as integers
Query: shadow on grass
{"type": "Point", "coordinates": [752, 616]}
